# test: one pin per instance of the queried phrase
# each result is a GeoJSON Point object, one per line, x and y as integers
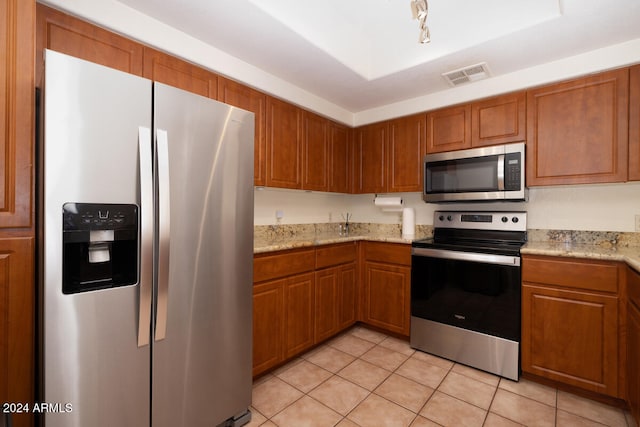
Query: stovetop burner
{"type": "Point", "coordinates": [501, 233]}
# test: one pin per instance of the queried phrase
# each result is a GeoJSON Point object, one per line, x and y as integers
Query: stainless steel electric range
{"type": "Point", "coordinates": [466, 290]}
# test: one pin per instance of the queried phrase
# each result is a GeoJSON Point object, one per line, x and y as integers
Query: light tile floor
{"type": "Point", "coordinates": [363, 378]}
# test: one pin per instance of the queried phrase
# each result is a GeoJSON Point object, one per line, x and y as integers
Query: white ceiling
{"type": "Point", "coordinates": [362, 54]}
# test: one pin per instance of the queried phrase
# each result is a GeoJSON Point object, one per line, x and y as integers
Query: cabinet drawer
{"type": "Point", "coordinates": [390, 253]}
{"type": "Point", "coordinates": [327, 256]}
{"type": "Point", "coordinates": [282, 264]}
{"type": "Point", "coordinates": [580, 274]}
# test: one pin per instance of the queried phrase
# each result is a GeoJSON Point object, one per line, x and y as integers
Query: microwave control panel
{"type": "Point", "coordinates": [512, 172]}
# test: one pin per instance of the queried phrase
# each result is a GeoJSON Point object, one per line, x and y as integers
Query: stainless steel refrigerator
{"type": "Point", "coordinates": [146, 252]}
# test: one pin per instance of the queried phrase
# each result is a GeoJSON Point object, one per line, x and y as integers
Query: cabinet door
{"type": "Point", "coordinates": [499, 120]}
{"type": "Point", "coordinates": [315, 152]}
{"type": "Point", "coordinates": [340, 158]}
{"type": "Point", "coordinates": [244, 97]}
{"type": "Point", "coordinates": [17, 101]}
{"type": "Point", "coordinates": [16, 324]}
{"type": "Point", "coordinates": [175, 72]}
{"type": "Point", "coordinates": [370, 174]}
{"type": "Point", "coordinates": [284, 146]}
{"type": "Point", "coordinates": [326, 303]}
{"type": "Point", "coordinates": [267, 325]}
{"type": "Point", "coordinates": [66, 34]}
{"type": "Point", "coordinates": [386, 296]}
{"type": "Point", "coordinates": [346, 296]}
{"type": "Point", "coordinates": [406, 148]}
{"type": "Point", "coordinates": [571, 336]}
{"type": "Point", "coordinates": [298, 314]}
{"type": "Point", "coordinates": [449, 129]}
{"type": "Point", "coordinates": [577, 131]}
{"type": "Point", "coordinates": [634, 124]}
{"type": "Point", "coordinates": [633, 343]}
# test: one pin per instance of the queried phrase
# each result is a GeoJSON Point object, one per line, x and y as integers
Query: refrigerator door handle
{"type": "Point", "coordinates": [164, 228]}
{"type": "Point", "coordinates": [146, 235]}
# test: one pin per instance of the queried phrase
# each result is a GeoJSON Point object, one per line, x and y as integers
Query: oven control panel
{"type": "Point", "coordinates": [504, 221]}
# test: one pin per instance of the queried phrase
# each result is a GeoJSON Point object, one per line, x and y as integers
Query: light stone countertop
{"type": "Point", "coordinates": [608, 246]}
{"type": "Point", "coordinates": [630, 255]}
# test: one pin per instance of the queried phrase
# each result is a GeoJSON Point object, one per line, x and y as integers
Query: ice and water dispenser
{"type": "Point", "coordinates": [100, 246]}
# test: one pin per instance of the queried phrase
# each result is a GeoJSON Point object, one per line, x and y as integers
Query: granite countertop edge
{"type": "Point", "coordinates": [629, 255]}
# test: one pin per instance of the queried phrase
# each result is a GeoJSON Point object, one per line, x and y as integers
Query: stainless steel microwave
{"type": "Point", "coordinates": [478, 174]}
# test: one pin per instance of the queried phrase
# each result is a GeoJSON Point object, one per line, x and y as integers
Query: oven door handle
{"type": "Point", "coordinates": [467, 256]}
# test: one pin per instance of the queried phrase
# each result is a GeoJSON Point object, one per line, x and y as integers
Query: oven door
{"type": "Point", "coordinates": [474, 291]}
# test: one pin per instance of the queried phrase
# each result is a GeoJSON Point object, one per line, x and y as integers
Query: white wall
{"type": "Point", "coordinates": [604, 207]}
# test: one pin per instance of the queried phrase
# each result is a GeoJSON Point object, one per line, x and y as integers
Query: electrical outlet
{"type": "Point", "coordinates": [279, 215]}
{"type": "Point", "coordinates": [637, 222]}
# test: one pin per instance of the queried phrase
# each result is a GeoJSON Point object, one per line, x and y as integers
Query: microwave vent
{"type": "Point", "coordinates": [467, 74]}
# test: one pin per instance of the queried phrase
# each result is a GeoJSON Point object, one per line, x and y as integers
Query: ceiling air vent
{"type": "Point", "coordinates": [467, 74]}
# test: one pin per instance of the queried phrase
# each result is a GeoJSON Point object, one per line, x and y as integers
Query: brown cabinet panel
{"type": "Point", "coordinates": [634, 123]}
{"type": "Point", "coordinates": [244, 97]}
{"type": "Point", "coordinates": [267, 325]}
{"type": "Point", "coordinates": [633, 344]}
{"type": "Point", "coordinates": [273, 266]}
{"type": "Point", "coordinates": [340, 158]}
{"type": "Point", "coordinates": [449, 129]}
{"type": "Point", "coordinates": [393, 253]}
{"type": "Point", "coordinates": [72, 36]}
{"type": "Point", "coordinates": [298, 314]}
{"type": "Point", "coordinates": [315, 152]}
{"type": "Point", "coordinates": [386, 296]}
{"type": "Point", "coordinates": [499, 120]}
{"type": "Point", "coordinates": [347, 295]}
{"type": "Point", "coordinates": [167, 69]}
{"type": "Point", "coordinates": [588, 275]}
{"type": "Point", "coordinates": [370, 152]}
{"type": "Point", "coordinates": [326, 307]}
{"type": "Point", "coordinates": [337, 254]}
{"type": "Point", "coordinates": [571, 337]}
{"type": "Point", "coordinates": [577, 131]}
{"type": "Point", "coordinates": [17, 100]}
{"type": "Point", "coordinates": [284, 144]}
{"type": "Point", "coordinates": [406, 148]}
{"type": "Point", "coordinates": [17, 331]}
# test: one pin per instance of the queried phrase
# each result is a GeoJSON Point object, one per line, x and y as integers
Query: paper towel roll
{"type": "Point", "coordinates": [389, 204]}
{"type": "Point", "coordinates": [408, 223]}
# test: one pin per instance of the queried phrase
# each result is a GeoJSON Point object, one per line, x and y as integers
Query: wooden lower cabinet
{"type": "Point", "coordinates": [572, 323]}
{"type": "Point", "coordinates": [298, 314]}
{"type": "Point", "coordinates": [267, 325]}
{"type": "Point", "coordinates": [386, 286]}
{"type": "Point", "coordinates": [301, 298]}
{"type": "Point", "coordinates": [633, 344]}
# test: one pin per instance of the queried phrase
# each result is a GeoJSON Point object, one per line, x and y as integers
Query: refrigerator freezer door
{"type": "Point", "coordinates": [91, 359]}
{"type": "Point", "coordinates": [202, 365]}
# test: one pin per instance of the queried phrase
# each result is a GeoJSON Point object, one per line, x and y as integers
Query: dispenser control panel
{"type": "Point", "coordinates": [92, 216]}
{"type": "Point", "coordinates": [100, 246]}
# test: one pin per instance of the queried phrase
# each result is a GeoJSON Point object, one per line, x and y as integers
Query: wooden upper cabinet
{"type": "Point", "coordinates": [405, 149]}
{"type": "Point", "coordinates": [315, 152]}
{"type": "Point", "coordinates": [634, 123]}
{"type": "Point", "coordinates": [72, 36]}
{"type": "Point", "coordinates": [167, 69]}
{"type": "Point", "coordinates": [244, 97]}
{"type": "Point", "coordinates": [17, 101]}
{"type": "Point", "coordinates": [284, 146]}
{"type": "Point", "coordinates": [370, 153]}
{"type": "Point", "coordinates": [577, 131]}
{"type": "Point", "coordinates": [499, 120]}
{"type": "Point", "coordinates": [449, 129]}
{"type": "Point", "coordinates": [339, 158]}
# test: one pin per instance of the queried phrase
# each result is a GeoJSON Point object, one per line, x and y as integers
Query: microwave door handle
{"type": "Point", "coordinates": [146, 235]}
{"type": "Point", "coordinates": [164, 229]}
{"type": "Point", "coordinates": [500, 172]}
